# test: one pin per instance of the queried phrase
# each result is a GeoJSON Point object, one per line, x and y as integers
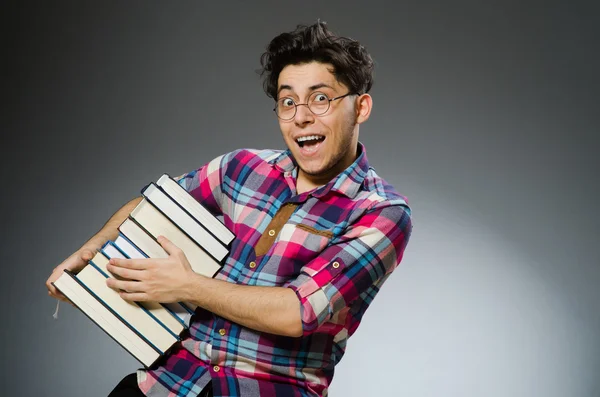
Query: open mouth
{"type": "Point", "coordinates": [310, 143]}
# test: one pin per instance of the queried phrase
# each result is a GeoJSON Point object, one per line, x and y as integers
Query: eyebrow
{"type": "Point", "coordinates": [311, 88]}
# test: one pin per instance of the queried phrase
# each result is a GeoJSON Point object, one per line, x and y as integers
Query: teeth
{"type": "Point", "coordinates": [308, 138]}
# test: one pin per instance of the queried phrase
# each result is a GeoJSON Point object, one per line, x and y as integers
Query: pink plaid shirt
{"type": "Point", "coordinates": [333, 246]}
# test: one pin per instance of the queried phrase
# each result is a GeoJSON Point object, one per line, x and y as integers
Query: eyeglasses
{"type": "Point", "coordinates": [318, 103]}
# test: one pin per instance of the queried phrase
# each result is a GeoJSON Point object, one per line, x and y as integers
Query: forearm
{"type": "Point", "coordinates": [268, 309]}
{"type": "Point", "coordinates": [274, 310]}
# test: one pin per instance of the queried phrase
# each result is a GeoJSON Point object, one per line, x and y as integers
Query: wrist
{"type": "Point", "coordinates": [193, 284]}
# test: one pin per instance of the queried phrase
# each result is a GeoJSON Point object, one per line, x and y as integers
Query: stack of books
{"type": "Point", "coordinates": [148, 330]}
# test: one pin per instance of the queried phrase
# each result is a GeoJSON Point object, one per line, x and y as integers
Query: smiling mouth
{"type": "Point", "coordinates": [311, 141]}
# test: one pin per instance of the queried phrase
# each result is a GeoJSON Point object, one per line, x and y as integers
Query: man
{"type": "Point", "coordinates": [317, 234]}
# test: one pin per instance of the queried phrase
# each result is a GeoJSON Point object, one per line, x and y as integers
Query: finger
{"type": "Point", "coordinates": [126, 273]}
{"type": "Point", "coordinates": [168, 245]}
{"type": "Point", "coordinates": [57, 295]}
{"type": "Point", "coordinates": [87, 255]}
{"type": "Point", "coordinates": [134, 296]}
{"type": "Point", "coordinates": [129, 286]}
{"type": "Point", "coordinates": [54, 291]}
{"type": "Point", "coordinates": [51, 288]}
{"type": "Point", "coordinates": [62, 298]}
{"type": "Point", "coordinates": [134, 264]}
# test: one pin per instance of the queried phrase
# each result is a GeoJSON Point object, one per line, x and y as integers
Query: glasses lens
{"type": "Point", "coordinates": [318, 103]}
{"type": "Point", "coordinates": [286, 108]}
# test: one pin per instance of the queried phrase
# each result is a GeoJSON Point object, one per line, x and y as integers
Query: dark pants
{"type": "Point", "coordinates": [128, 387]}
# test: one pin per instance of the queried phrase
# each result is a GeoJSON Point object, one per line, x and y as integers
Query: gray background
{"type": "Point", "coordinates": [485, 117]}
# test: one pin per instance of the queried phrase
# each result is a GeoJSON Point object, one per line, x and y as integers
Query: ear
{"type": "Point", "coordinates": [364, 104]}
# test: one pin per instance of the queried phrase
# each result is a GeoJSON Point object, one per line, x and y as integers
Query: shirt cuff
{"type": "Point", "coordinates": [314, 289]}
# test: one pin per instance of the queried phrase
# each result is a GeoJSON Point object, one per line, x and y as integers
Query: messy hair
{"type": "Point", "coordinates": [352, 64]}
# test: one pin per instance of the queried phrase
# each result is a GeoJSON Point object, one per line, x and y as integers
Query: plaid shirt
{"type": "Point", "coordinates": [333, 246]}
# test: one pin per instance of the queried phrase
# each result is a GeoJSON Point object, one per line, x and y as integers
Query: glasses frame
{"type": "Point", "coordinates": [306, 104]}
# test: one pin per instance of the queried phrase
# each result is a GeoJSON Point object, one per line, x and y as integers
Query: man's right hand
{"type": "Point", "coordinates": [73, 263]}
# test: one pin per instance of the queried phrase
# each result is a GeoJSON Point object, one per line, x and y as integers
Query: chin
{"type": "Point", "coordinates": [314, 170]}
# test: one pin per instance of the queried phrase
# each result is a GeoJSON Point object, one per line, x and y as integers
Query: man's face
{"type": "Point", "coordinates": [336, 129]}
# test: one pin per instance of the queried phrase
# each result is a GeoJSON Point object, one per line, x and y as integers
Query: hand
{"type": "Point", "coordinates": [74, 263]}
{"type": "Point", "coordinates": [163, 280]}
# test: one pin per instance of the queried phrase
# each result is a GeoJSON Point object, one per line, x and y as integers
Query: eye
{"type": "Point", "coordinates": [321, 98]}
{"type": "Point", "coordinates": [287, 102]}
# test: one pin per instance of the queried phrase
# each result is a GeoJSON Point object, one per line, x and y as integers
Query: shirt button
{"type": "Point", "coordinates": [336, 265]}
{"type": "Point", "coordinates": [271, 232]}
{"type": "Point", "coordinates": [216, 368]}
{"type": "Point", "coordinates": [222, 332]}
{"type": "Point", "coordinates": [252, 265]}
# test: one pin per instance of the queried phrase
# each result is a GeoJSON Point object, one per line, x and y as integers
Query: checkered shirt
{"type": "Point", "coordinates": [333, 246]}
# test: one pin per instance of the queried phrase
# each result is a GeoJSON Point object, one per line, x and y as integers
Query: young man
{"type": "Point", "coordinates": [317, 234]}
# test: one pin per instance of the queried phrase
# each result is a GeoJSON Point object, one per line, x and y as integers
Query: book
{"type": "Point", "coordinates": [148, 330]}
{"type": "Point", "coordinates": [155, 223]}
{"type": "Point", "coordinates": [185, 200]}
{"type": "Point", "coordinates": [138, 236]}
{"type": "Point", "coordinates": [185, 222]}
{"type": "Point", "coordinates": [102, 316]}
{"type": "Point", "coordinates": [128, 248]}
{"type": "Point", "coordinates": [148, 340]}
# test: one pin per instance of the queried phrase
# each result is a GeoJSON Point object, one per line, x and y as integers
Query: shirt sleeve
{"type": "Point", "coordinates": [204, 184]}
{"type": "Point", "coordinates": [363, 257]}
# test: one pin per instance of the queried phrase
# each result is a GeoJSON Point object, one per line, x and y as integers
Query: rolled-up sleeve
{"type": "Point", "coordinates": [363, 257]}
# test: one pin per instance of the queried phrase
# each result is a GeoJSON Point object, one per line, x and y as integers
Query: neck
{"type": "Point", "coordinates": [307, 182]}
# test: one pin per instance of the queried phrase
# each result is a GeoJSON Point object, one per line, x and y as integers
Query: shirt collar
{"type": "Point", "coordinates": [348, 182]}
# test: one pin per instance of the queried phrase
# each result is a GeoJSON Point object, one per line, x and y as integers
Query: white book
{"type": "Point", "coordinates": [156, 224]}
{"type": "Point", "coordinates": [128, 248]}
{"type": "Point", "coordinates": [110, 251]}
{"type": "Point", "coordinates": [106, 320]}
{"type": "Point", "coordinates": [195, 209]}
{"type": "Point", "coordinates": [185, 221]}
{"type": "Point", "coordinates": [142, 240]}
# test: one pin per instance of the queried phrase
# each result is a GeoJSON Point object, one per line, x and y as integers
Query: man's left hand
{"type": "Point", "coordinates": [151, 279]}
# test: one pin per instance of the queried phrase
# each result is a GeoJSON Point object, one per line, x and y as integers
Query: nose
{"type": "Point", "coordinates": [303, 115]}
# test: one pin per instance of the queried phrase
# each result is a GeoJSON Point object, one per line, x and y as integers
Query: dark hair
{"type": "Point", "coordinates": [352, 64]}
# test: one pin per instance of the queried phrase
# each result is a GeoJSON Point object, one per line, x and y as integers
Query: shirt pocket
{"type": "Point", "coordinates": [296, 245]}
